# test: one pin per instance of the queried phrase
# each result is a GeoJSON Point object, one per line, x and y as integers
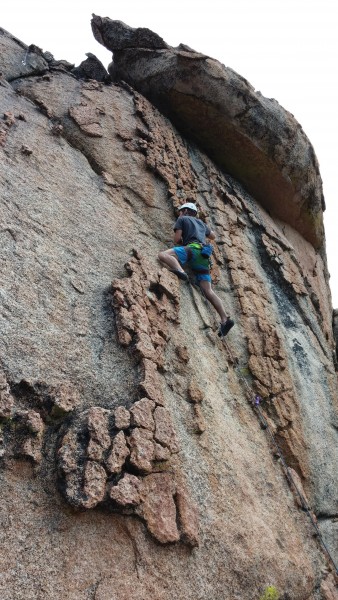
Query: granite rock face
{"type": "Point", "coordinates": [133, 464]}
{"type": "Point", "coordinates": [252, 137]}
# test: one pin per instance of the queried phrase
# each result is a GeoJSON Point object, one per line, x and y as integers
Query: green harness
{"type": "Point", "coordinates": [197, 262]}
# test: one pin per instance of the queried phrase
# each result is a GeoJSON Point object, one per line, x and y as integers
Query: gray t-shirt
{"type": "Point", "coordinates": [193, 229]}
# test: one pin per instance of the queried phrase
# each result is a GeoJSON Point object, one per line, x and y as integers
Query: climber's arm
{"type": "Point", "coordinates": [178, 237]}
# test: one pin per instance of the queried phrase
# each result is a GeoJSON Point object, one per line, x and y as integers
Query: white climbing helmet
{"type": "Point", "coordinates": [189, 205]}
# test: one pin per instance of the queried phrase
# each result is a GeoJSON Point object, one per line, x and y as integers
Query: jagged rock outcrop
{"type": "Point", "coordinates": [132, 463]}
{"type": "Point", "coordinates": [251, 137]}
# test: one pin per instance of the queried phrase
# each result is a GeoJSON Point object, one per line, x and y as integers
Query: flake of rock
{"type": "Point", "coordinates": [119, 299]}
{"type": "Point", "coordinates": [182, 353]}
{"type": "Point", "coordinates": [31, 448]}
{"type": "Point", "coordinates": [118, 454]}
{"type": "Point", "coordinates": [6, 404]}
{"type": "Point", "coordinates": [161, 452]}
{"type": "Point", "coordinates": [94, 486]}
{"type": "Point", "coordinates": [159, 358]}
{"type": "Point", "coordinates": [142, 414]}
{"type": "Point", "coordinates": [122, 417]}
{"type": "Point", "coordinates": [127, 491]}
{"type": "Point", "coordinates": [144, 346]}
{"type": "Point", "coordinates": [164, 430]}
{"type": "Point", "coordinates": [65, 398]}
{"type": "Point", "coordinates": [169, 285]}
{"type": "Point", "coordinates": [169, 312]}
{"type": "Point", "coordinates": [99, 434]}
{"type": "Point", "coordinates": [199, 421]}
{"type": "Point", "coordinates": [126, 316]}
{"type": "Point", "coordinates": [69, 452]}
{"type": "Point", "coordinates": [130, 288]}
{"type": "Point", "coordinates": [195, 395]}
{"type": "Point", "coordinates": [141, 449]}
{"type": "Point", "coordinates": [158, 507]}
{"type": "Point", "coordinates": [88, 118]}
{"type": "Point", "coordinates": [116, 35]}
{"type": "Point", "coordinates": [91, 68]}
{"type": "Point", "coordinates": [125, 326]}
{"type": "Point", "coordinates": [188, 518]}
{"type": "Point", "coordinates": [158, 340]}
{"type": "Point", "coordinates": [31, 421]}
{"type": "Point", "coordinates": [150, 385]}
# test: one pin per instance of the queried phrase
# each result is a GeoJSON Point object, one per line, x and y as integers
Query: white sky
{"type": "Point", "coordinates": [287, 49]}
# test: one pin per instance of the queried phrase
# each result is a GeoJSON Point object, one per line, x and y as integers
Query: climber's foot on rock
{"type": "Point", "coordinates": [180, 274]}
{"type": "Point", "coordinates": [225, 327]}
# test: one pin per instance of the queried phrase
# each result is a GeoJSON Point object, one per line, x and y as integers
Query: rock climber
{"type": "Point", "coordinates": [190, 248]}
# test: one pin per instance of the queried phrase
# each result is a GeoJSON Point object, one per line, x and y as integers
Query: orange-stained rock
{"type": "Point", "coordinates": [122, 417]}
{"type": "Point", "coordinates": [118, 454]}
{"type": "Point", "coordinates": [199, 420]}
{"type": "Point", "coordinates": [99, 438]}
{"type": "Point", "coordinates": [164, 429]}
{"type": "Point", "coordinates": [145, 347]}
{"type": "Point", "coordinates": [94, 486]}
{"type": "Point", "coordinates": [6, 399]}
{"type": "Point", "coordinates": [66, 398]}
{"type": "Point", "coordinates": [188, 517]}
{"type": "Point", "coordinates": [6, 404]}
{"type": "Point", "coordinates": [195, 395]}
{"type": "Point", "coordinates": [142, 414]}
{"type": "Point", "coordinates": [183, 353]}
{"type": "Point", "coordinates": [88, 119]}
{"type": "Point", "coordinates": [68, 452]}
{"type": "Point", "coordinates": [31, 448]}
{"type": "Point", "coordinates": [141, 449]}
{"type": "Point", "coordinates": [31, 420]}
{"type": "Point", "coordinates": [127, 491]}
{"type": "Point", "coordinates": [158, 507]}
{"type": "Point", "coordinates": [150, 383]}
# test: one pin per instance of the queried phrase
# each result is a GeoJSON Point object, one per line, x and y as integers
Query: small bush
{"type": "Point", "coordinates": [270, 593]}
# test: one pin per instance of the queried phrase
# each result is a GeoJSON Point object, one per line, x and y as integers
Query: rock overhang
{"type": "Point", "coordinates": [251, 137]}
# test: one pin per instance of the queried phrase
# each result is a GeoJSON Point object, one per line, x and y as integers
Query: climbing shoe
{"type": "Point", "coordinates": [224, 328]}
{"type": "Point", "coordinates": [180, 274]}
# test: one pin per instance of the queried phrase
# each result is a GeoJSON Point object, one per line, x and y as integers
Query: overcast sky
{"type": "Point", "coordinates": [287, 49]}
